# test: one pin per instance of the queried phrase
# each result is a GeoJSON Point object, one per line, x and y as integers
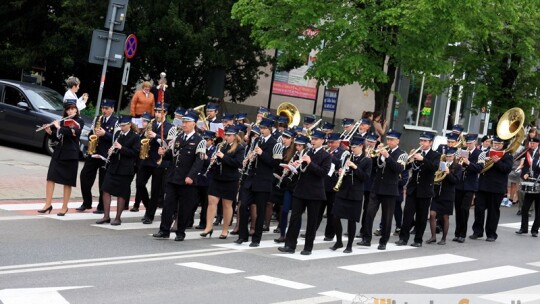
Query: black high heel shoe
{"type": "Point", "coordinates": [46, 210]}
{"type": "Point", "coordinates": [224, 236]}
{"type": "Point", "coordinates": [62, 213]}
{"type": "Point", "coordinates": [209, 234]}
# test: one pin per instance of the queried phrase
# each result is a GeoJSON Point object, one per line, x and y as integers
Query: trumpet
{"type": "Point", "coordinates": [411, 155]}
{"type": "Point", "coordinates": [52, 123]}
{"type": "Point", "coordinates": [376, 152]}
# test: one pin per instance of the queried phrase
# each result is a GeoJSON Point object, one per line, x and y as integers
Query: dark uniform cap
{"type": "Point", "coordinates": [318, 134]}
{"type": "Point", "coordinates": [426, 136]}
{"type": "Point", "coordinates": [209, 134]}
{"type": "Point", "coordinates": [146, 116]}
{"type": "Point", "coordinates": [333, 136]}
{"type": "Point", "coordinates": [393, 134]}
{"type": "Point", "coordinates": [191, 116]}
{"type": "Point", "coordinates": [108, 103]}
{"type": "Point", "coordinates": [265, 122]}
{"type": "Point", "coordinates": [124, 119]}
{"type": "Point", "coordinates": [357, 140]}
{"type": "Point", "coordinates": [231, 130]}
{"type": "Point", "coordinates": [328, 126]}
{"type": "Point", "coordinates": [288, 133]}
{"type": "Point", "coordinates": [301, 139]}
{"type": "Point", "coordinates": [309, 119]}
{"type": "Point", "coordinates": [159, 106]}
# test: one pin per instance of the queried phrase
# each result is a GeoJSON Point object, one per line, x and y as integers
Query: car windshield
{"type": "Point", "coordinates": [46, 99]}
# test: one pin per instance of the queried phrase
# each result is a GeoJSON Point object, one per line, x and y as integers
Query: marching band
{"type": "Point", "coordinates": [275, 166]}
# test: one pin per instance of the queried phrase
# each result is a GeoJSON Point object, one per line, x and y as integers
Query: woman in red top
{"type": "Point", "coordinates": [143, 101]}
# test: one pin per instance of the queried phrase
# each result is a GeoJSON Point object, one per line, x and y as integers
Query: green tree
{"type": "Point", "coordinates": [187, 39]}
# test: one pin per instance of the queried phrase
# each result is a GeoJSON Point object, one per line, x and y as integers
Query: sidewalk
{"type": "Point", "coordinates": [23, 176]}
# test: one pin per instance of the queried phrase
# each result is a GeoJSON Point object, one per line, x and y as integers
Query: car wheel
{"type": "Point", "coordinates": [49, 145]}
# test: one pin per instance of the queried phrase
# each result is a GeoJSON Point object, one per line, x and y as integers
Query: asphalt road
{"type": "Point", "coordinates": [50, 259]}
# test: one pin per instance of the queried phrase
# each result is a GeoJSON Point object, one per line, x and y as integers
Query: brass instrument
{"type": "Point", "coordinates": [353, 131]}
{"type": "Point", "coordinates": [202, 115]}
{"type": "Point", "coordinates": [376, 152]}
{"type": "Point", "coordinates": [410, 158]}
{"type": "Point", "coordinates": [290, 111]}
{"type": "Point", "coordinates": [52, 123]}
{"type": "Point", "coordinates": [93, 139]}
{"type": "Point", "coordinates": [439, 174]}
{"type": "Point", "coordinates": [213, 158]}
{"type": "Point", "coordinates": [342, 174]}
{"type": "Point", "coordinates": [308, 132]}
{"type": "Point", "coordinates": [145, 142]}
{"type": "Point", "coordinates": [461, 141]}
{"type": "Point", "coordinates": [510, 126]}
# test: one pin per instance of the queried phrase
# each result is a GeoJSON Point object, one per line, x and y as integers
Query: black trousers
{"type": "Point", "coordinates": [463, 203]}
{"type": "Point", "coordinates": [92, 166]}
{"type": "Point", "coordinates": [156, 191]}
{"type": "Point", "coordinates": [328, 204]}
{"type": "Point", "coordinates": [248, 197]}
{"type": "Point", "coordinates": [420, 208]}
{"type": "Point", "coordinates": [367, 195]}
{"type": "Point", "coordinates": [529, 199]}
{"type": "Point", "coordinates": [181, 198]}
{"type": "Point", "coordinates": [202, 195]}
{"type": "Point", "coordinates": [298, 207]}
{"type": "Point", "coordinates": [492, 203]}
{"type": "Point", "coordinates": [387, 203]}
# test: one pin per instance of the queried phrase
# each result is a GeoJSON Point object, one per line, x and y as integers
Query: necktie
{"type": "Point", "coordinates": [263, 141]}
{"type": "Point", "coordinates": [423, 153]}
{"type": "Point", "coordinates": [184, 137]}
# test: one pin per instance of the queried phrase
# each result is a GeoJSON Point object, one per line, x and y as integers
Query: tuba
{"type": "Point", "coordinates": [145, 142]}
{"type": "Point", "coordinates": [93, 139]}
{"type": "Point", "coordinates": [290, 111]}
{"type": "Point", "coordinates": [510, 126]}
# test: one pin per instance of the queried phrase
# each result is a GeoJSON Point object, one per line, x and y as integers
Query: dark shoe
{"type": "Point", "coordinates": [382, 247]}
{"type": "Point", "coordinates": [336, 246]}
{"type": "Point", "coordinates": [281, 239]}
{"type": "Point", "coordinates": [534, 234]}
{"type": "Point", "coordinates": [438, 229]}
{"type": "Point", "coordinates": [239, 241]}
{"type": "Point", "coordinates": [161, 235]}
{"type": "Point", "coordinates": [143, 218]}
{"type": "Point", "coordinates": [116, 223]}
{"type": "Point", "coordinates": [62, 213]}
{"type": "Point", "coordinates": [441, 242]}
{"type": "Point", "coordinates": [364, 243]}
{"type": "Point", "coordinates": [347, 250]}
{"type": "Point", "coordinates": [461, 240]}
{"type": "Point", "coordinates": [431, 241]}
{"type": "Point", "coordinates": [416, 244]}
{"type": "Point", "coordinates": [455, 239]}
{"type": "Point", "coordinates": [266, 229]}
{"type": "Point", "coordinates": [397, 231]}
{"type": "Point", "coordinates": [253, 244]}
{"type": "Point", "coordinates": [103, 221]}
{"type": "Point", "coordinates": [234, 232]}
{"type": "Point", "coordinates": [327, 239]}
{"type": "Point", "coordinates": [303, 235]}
{"type": "Point", "coordinates": [286, 249]}
{"type": "Point", "coordinates": [490, 239]}
{"type": "Point", "coordinates": [377, 232]}
{"type": "Point", "coordinates": [82, 208]}
{"type": "Point", "coordinates": [134, 209]}
{"type": "Point", "coordinates": [224, 236]}
{"type": "Point", "coordinates": [521, 232]}
{"type": "Point", "coordinates": [209, 233]}
{"type": "Point", "coordinates": [147, 221]}
{"type": "Point", "coordinates": [474, 237]}
{"type": "Point", "coordinates": [277, 230]}
{"type": "Point", "coordinates": [305, 252]}
{"type": "Point", "coordinates": [413, 231]}
{"type": "Point", "coordinates": [518, 212]}
{"type": "Point", "coordinates": [401, 243]}
{"type": "Point", "coordinates": [179, 238]}
{"type": "Point", "coordinates": [218, 221]}
{"type": "Point", "coordinates": [199, 227]}
{"type": "Point", "coordinates": [98, 211]}
{"type": "Point", "coordinates": [45, 210]}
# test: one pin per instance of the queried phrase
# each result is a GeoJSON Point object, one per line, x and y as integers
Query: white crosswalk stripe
{"type": "Point", "coordinates": [407, 264]}
{"type": "Point", "coordinates": [472, 277]}
{"type": "Point", "coordinates": [515, 225]}
{"type": "Point", "coordinates": [524, 295]}
{"type": "Point", "coordinates": [265, 244]}
{"type": "Point", "coordinates": [280, 282]}
{"type": "Point", "coordinates": [208, 267]}
{"type": "Point", "coordinates": [327, 253]}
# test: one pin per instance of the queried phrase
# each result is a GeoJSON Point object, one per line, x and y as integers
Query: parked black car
{"type": "Point", "coordinates": [24, 107]}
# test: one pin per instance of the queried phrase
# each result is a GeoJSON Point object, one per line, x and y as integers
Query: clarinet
{"type": "Point", "coordinates": [108, 160]}
{"type": "Point", "coordinates": [280, 179]}
{"type": "Point", "coordinates": [213, 159]}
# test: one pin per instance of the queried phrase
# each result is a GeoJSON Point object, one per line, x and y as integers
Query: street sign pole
{"type": "Point", "coordinates": [123, 83]}
{"type": "Point", "coordinates": [106, 60]}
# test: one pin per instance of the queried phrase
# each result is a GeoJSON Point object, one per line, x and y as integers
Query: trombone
{"type": "Point", "coordinates": [202, 115]}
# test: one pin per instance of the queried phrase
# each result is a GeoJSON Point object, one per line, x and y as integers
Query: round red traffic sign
{"type": "Point", "coordinates": [130, 47]}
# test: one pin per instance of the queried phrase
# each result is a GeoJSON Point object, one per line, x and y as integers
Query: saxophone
{"type": "Point", "coordinates": [145, 142]}
{"type": "Point", "coordinates": [93, 140]}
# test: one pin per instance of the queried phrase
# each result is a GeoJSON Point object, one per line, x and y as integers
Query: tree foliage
{"type": "Point", "coordinates": [365, 41]}
{"type": "Point", "coordinates": [186, 39]}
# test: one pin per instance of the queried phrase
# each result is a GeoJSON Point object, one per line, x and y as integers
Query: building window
{"type": "Point", "coordinates": [421, 104]}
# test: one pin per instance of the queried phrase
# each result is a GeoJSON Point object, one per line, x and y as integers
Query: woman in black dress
{"type": "Point", "coordinates": [120, 169]}
{"type": "Point", "coordinates": [65, 159]}
{"type": "Point", "coordinates": [225, 175]}
{"type": "Point", "coordinates": [348, 202]}
{"type": "Point", "coordinates": [445, 192]}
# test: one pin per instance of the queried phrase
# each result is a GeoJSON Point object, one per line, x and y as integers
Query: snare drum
{"type": "Point", "coordinates": [530, 187]}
